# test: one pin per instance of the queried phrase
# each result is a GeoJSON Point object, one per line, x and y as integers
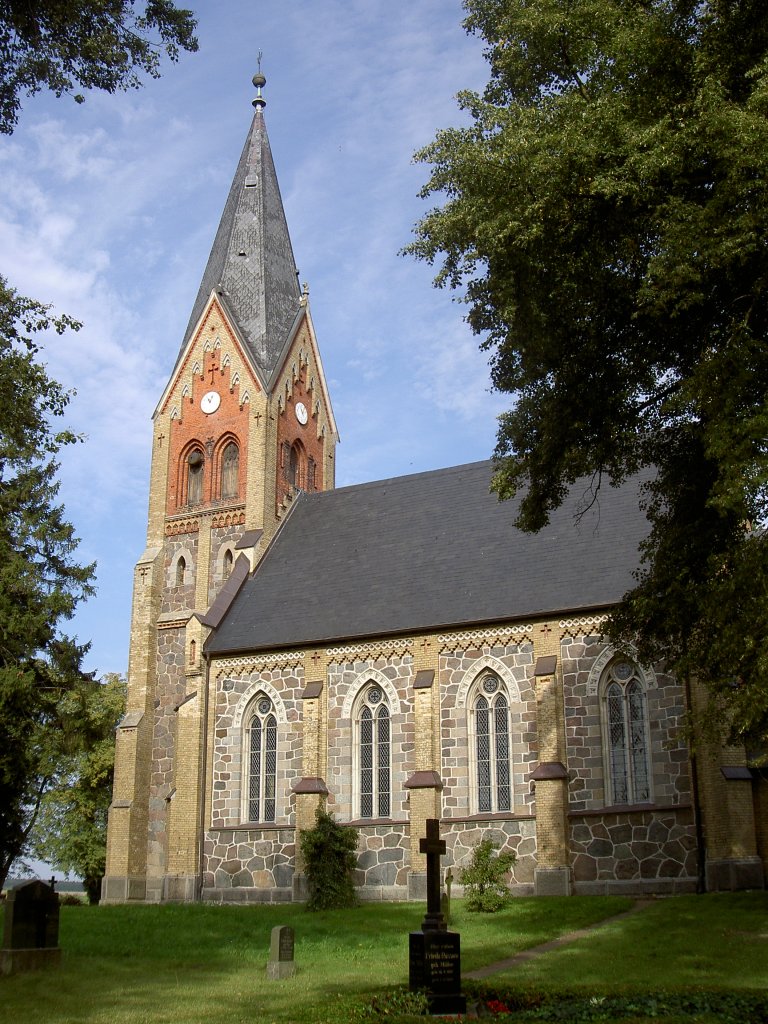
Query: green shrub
{"type": "Point", "coordinates": [329, 853]}
{"type": "Point", "coordinates": [485, 886]}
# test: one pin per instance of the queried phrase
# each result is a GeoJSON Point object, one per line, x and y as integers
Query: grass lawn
{"type": "Point", "coordinates": [187, 964]}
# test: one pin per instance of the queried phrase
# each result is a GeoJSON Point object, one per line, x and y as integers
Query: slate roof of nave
{"type": "Point", "coordinates": [251, 260]}
{"type": "Point", "coordinates": [427, 551]}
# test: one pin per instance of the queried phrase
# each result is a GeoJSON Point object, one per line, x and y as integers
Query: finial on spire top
{"type": "Point", "coordinates": [259, 80]}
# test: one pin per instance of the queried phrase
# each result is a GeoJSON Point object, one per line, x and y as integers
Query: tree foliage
{"type": "Point", "coordinates": [94, 44]}
{"type": "Point", "coordinates": [40, 581]}
{"type": "Point", "coordinates": [71, 829]}
{"type": "Point", "coordinates": [486, 888]}
{"type": "Point", "coordinates": [605, 216]}
{"type": "Point", "coordinates": [328, 851]}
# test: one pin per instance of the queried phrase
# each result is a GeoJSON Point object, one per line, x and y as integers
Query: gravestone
{"type": "Point", "coordinates": [434, 962]}
{"type": "Point", "coordinates": [280, 963]}
{"type": "Point", "coordinates": [31, 932]}
{"type": "Point", "coordinates": [445, 899]}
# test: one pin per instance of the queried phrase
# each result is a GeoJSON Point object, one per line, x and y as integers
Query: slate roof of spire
{"type": "Point", "coordinates": [428, 551]}
{"type": "Point", "coordinates": [251, 261]}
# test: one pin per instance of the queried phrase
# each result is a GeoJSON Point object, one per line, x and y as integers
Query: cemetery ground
{"type": "Point", "coordinates": [701, 959]}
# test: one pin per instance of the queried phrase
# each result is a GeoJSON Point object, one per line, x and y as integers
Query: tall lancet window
{"type": "Point", "coordinates": [625, 733]}
{"type": "Point", "coordinates": [195, 463]}
{"type": "Point", "coordinates": [490, 728]}
{"type": "Point", "coordinates": [374, 754]}
{"type": "Point", "coordinates": [261, 761]}
{"type": "Point", "coordinates": [230, 468]}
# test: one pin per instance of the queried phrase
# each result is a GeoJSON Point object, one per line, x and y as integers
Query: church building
{"type": "Point", "coordinates": [396, 651]}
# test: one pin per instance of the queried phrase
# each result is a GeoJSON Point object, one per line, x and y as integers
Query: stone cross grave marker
{"type": "Point", "coordinates": [434, 964]}
{"type": "Point", "coordinates": [280, 963]}
{"type": "Point", "coordinates": [31, 931]}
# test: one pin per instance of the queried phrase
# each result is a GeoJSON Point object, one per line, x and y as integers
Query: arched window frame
{"type": "Point", "coordinates": [490, 746]}
{"type": "Point", "coordinates": [229, 469]}
{"type": "Point", "coordinates": [625, 734]}
{"type": "Point", "coordinates": [372, 748]}
{"type": "Point", "coordinates": [227, 563]}
{"type": "Point", "coordinates": [294, 464]}
{"type": "Point", "coordinates": [180, 571]}
{"type": "Point", "coordinates": [260, 738]}
{"type": "Point", "coordinates": [187, 494]}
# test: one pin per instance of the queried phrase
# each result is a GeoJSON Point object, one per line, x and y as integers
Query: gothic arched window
{"type": "Point", "coordinates": [227, 563]}
{"type": "Point", "coordinates": [230, 469]}
{"type": "Point", "coordinates": [373, 743]}
{"type": "Point", "coordinates": [489, 727]}
{"type": "Point", "coordinates": [195, 463]}
{"type": "Point", "coordinates": [181, 568]}
{"type": "Point", "coordinates": [625, 734]}
{"type": "Point", "coordinates": [261, 761]}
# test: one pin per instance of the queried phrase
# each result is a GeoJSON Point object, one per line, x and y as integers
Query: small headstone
{"type": "Point", "coordinates": [280, 963]}
{"type": "Point", "coordinates": [31, 931]}
{"type": "Point", "coordinates": [434, 953]}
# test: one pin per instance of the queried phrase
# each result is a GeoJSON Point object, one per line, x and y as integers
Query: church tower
{"type": "Point", "coordinates": [244, 422]}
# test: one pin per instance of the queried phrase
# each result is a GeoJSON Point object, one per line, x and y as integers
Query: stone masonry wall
{"type": "Point", "coordinates": [516, 836]}
{"type": "Point", "coordinates": [459, 669]}
{"type": "Point", "coordinates": [252, 865]}
{"type": "Point", "coordinates": [646, 848]}
{"type": "Point", "coordinates": [345, 680]}
{"type": "Point", "coordinates": [383, 861]}
{"type": "Point", "coordinates": [221, 538]}
{"type": "Point", "coordinates": [283, 685]}
{"type": "Point", "coordinates": [171, 690]}
{"type": "Point", "coordinates": [179, 598]}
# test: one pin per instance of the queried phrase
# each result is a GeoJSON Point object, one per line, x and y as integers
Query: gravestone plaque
{"type": "Point", "coordinates": [434, 953]}
{"type": "Point", "coordinates": [31, 931]}
{"type": "Point", "coordinates": [281, 963]}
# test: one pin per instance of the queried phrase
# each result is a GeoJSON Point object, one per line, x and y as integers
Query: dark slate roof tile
{"type": "Point", "coordinates": [430, 550]}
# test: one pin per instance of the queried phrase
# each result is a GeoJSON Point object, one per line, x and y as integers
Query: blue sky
{"type": "Point", "coordinates": [108, 211]}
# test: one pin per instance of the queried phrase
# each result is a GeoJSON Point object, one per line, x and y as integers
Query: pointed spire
{"type": "Point", "coordinates": [251, 265]}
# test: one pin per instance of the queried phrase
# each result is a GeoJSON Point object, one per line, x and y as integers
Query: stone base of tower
{"type": "Point", "coordinates": [123, 889]}
{"type": "Point", "coordinates": [734, 874]}
{"type": "Point", "coordinates": [552, 882]}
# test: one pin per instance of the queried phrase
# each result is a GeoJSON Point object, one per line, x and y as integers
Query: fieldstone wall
{"type": "Point", "coordinates": [634, 852]}
{"type": "Point", "coordinates": [458, 671]}
{"type": "Point", "coordinates": [222, 537]}
{"type": "Point", "coordinates": [511, 835]}
{"type": "Point", "coordinates": [179, 598]}
{"type": "Point", "coordinates": [249, 865]}
{"type": "Point", "coordinates": [170, 692]}
{"type": "Point", "coordinates": [346, 679]}
{"type": "Point", "coordinates": [670, 778]}
{"type": "Point", "coordinates": [283, 684]}
{"type": "Point", "coordinates": [383, 861]}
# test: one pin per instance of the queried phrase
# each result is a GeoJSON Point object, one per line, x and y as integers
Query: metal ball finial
{"type": "Point", "coordinates": [259, 80]}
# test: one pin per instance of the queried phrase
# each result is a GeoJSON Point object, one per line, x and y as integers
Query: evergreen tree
{"type": "Point", "coordinates": [328, 851]}
{"type": "Point", "coordinates": [40, 582]}
{"type": "Point", "coordinates": [605, 216]}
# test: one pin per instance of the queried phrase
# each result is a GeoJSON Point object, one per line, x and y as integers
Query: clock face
{"type": "Point", "coordinates": [301, 413]}
{"type": "Point", "coordinates": [210, 401]}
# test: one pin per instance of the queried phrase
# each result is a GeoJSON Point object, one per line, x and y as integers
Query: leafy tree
{"type": "Point", "coordinates": [40, 583]}
{"type": "Point", "coordinates": [71, 829]}
{"type": "Point", "coordinates": [328, 851]}
{"type": "Point", "coordinates": [605, 216]}
{"type": "Point", "coordinates": [96, 44]}
{"type": "Point", "coordinates": [484, 879]}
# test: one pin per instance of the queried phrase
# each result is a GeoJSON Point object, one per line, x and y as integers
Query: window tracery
{"type": "Point", "coordinates": [261, 761]}
{"type": "Point", "coordinates": [490, 745]}
{"type": "Point", "coordinates": [373, 745]}
{"type": "Point", "coordinates": [625, 734]}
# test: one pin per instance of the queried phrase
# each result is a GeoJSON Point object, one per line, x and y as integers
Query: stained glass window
{"type": "Point", "coordinates": [374, 755]}
{"type": "Point", "coordinates": [626, 727]}
{"type": "Point", "coordinates": [262, 762]}
{"type": "Point", "coordinates": [492, 747]}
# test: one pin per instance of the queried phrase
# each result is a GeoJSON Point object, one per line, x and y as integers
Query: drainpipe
{"type": "Point", "coordinates": [701, 849]}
